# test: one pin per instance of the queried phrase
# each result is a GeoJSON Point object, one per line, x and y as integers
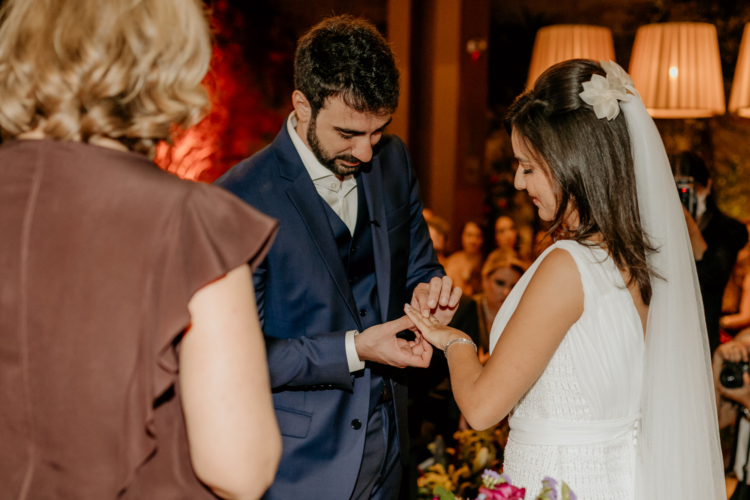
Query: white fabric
{"type": "Point", "coordinates": [743, 436]}
{"type": "Point", "coordinates": [679, 455]}
{"type": "Point", "coordinates": [597, 93]}
{"type": "Point", "coordinates": [576, 422]}
{"type": "Point", "coordinates": [342, 198]}
{"type": "Point", "coordinates": [352, 358]}
{"type": "Point", "coordinates": [603, 93]}
{"type": "Point", "coordinates": [538, 431]}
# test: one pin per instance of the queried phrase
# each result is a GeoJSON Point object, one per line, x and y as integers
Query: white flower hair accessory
{"type": "Point", "coordinates": [604, 93]}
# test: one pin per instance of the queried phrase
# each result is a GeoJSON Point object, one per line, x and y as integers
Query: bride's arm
{"type": "Point", "coordinates": [551, 304]}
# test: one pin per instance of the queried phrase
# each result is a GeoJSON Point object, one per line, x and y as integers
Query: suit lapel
{"type": "Point", "coordinates": [373, 185]}
{"type": "Point", "coordinates": [309, 204]}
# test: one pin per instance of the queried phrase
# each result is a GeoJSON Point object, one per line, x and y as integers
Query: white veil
{"type": "Point", "coordinates": [679, 456]}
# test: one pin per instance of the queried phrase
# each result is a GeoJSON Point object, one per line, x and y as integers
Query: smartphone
{"type": "Point", "coordinates": [686, 190]}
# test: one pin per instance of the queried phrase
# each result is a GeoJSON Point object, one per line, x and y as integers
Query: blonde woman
{"type": "Point", "coordinates": [500, 273]}
{"type": "Point", "coordinates": [131, 358]}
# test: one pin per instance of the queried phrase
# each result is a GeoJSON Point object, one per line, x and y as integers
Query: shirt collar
{"type": "Point", "coordinates": [313, 166]}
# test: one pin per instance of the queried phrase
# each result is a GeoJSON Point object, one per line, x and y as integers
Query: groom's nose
{"type": "Point", "coordinates": [362, 149]}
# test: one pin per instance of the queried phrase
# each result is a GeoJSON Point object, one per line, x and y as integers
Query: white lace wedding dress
{"type": "Point", "coordinates": [579, 422]}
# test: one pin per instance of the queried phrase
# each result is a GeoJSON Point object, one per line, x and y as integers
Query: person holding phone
{"type": "Point", "coordinates": [715, 237]}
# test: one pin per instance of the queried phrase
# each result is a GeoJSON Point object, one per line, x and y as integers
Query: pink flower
{"type": "Point", "coordinates": [503, 491]}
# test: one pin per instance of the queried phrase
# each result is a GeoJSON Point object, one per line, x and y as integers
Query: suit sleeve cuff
{"type": "Point", "coordinates": [355, 364]}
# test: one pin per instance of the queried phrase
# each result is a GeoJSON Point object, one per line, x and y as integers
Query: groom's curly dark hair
{"type": "Point", "coordinates": [345, 56]}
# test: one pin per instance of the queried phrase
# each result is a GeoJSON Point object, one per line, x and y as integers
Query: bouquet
{"type": "Point", "coordinates": [459, 470]}
{"type": "Point", "coordinates": [496, 486]}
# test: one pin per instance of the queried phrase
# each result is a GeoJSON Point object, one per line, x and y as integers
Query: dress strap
{"type": "Point", "coordinates": [538, 432]}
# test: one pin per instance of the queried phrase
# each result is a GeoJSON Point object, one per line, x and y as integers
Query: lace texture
{"type": "Point", "coordinates": [595, 375]}
{"type": "Point", "coordinates": [594, 471]}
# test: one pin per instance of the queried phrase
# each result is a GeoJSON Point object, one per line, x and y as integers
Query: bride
{"type": "Point", "coordinates": [600, 352]}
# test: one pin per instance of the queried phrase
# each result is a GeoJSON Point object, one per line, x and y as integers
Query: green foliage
{"type": "Point", "coordinates": [443, 494]}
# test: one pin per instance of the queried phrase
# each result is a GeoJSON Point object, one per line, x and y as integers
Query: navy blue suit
{"type": "Point", "coordinates": [306, 301]}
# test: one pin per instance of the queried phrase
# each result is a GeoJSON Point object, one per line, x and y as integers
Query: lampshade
{"type": "Point", "coordinates": [739, 100]}
{"type": "Point", "coordinates": [561, 42]}
{"type": "Point", "coordinates": [677, 71]}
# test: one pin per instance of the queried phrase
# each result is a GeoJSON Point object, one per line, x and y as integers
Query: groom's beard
{"type": "Point", "coordinates": [330, 161]}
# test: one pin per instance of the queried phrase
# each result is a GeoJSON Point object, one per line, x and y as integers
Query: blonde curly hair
{"type": "Point", "coordinates": [121, 69]}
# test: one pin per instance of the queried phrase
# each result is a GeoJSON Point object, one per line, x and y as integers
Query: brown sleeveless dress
{"type": "Point", "coordinates": [100, 253]}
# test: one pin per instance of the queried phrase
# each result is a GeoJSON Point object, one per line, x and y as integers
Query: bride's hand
{"type": "Point", "coordinates": [432, 329]}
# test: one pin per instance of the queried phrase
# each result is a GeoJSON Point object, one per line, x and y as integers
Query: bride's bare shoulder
{"type": "Point", "coordinates": [559, 261]}
{"type": "Point", "coordinates": [556, 284]}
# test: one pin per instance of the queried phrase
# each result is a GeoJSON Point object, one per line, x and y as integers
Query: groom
{"type": "Point", "coordinates": [351, 250]}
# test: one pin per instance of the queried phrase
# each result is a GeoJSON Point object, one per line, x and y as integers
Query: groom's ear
{"type": "Point", "coordinates": [302, 107]}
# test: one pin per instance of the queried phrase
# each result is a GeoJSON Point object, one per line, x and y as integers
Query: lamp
{"type": "Point", "coordinates": [739, 99]}
{"type": "Point", "coordinates": [561, 42]}
{"type": "Point", "coordinates": [677, 70]}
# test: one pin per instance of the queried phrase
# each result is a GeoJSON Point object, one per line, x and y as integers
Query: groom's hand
{"type": "Point", "coordinates": [380, 344]}
{"type": "Point", "coordinates": [438, 297]}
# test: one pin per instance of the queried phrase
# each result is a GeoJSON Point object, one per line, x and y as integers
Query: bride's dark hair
{"type": "Point", "coordinates": [589, 163]}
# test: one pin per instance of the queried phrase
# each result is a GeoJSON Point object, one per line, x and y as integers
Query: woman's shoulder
{"type": "Point", "coordinates": [557, 259]}
{"type": "Point", "coordinates": [591, 263]}
{"type": "Point", "coordinates": [556, 270]}
{"type": "Point", "coordinates": [584, 254]}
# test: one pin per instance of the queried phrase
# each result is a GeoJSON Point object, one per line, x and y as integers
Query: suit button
{"type": "Point", "coordinates": [356, 424]}
{"type": "Point", "coordinates": [362, 313]}
{"type": "Point", "coordinates": [351, 280]}
{"type": "Point", "coordinates": [354, 250]}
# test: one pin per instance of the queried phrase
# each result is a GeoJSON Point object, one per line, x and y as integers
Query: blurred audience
{"type": "Point", "coordinates": [716, 240]}
{"type": "Point", "coordinates": [737, 295]}
{"type": "Point", "coordinates": [734, 403]}
{"type": "Point", "coordinates": [439, 231]}
{"type": "Point", "coordinates": [464, 266]}
{"type": "Point", "coordinates": [433, 409]}
{"type": "Point", "coordinates": [500, 273]}
{"type": "Point", "coordinates": [506, 234]}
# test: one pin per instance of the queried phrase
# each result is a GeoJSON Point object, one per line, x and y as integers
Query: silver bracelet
{"type": "Point", "coordinates": [459, 340]}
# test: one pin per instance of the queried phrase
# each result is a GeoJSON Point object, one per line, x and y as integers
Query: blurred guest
{"type": "Point", "coordinates": [500, 273]}
{"type": "Point", "coordinates": [107, 261]}
{"type": "Point", "coordinates": [735, 351]}
{"type": "Point", "coordinates": [737, 294]}
{"type": "Point", "coordinates": [439, 231]}
{"type": "Point", "coordinates": [464, 266]}
{"type": "Point", "coordinates": [427, 214]}
{"type": "Point", "coordinates": [506, 234]}
{"type": "Point", "coordinates": [716, 239]}
{"type": "Point", "coordinates": [433, 410]}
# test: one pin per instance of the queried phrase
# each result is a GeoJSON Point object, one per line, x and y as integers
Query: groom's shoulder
{"type": "Point", "coordinates": [261, 163]}
{"type": "Point", "coordinates": [252, 174]}
{"type": "Point", "coordinates": [393, 153]}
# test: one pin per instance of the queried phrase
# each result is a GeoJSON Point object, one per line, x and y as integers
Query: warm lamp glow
{"type": "Point", "coordinates": [561, 42]}
{"type": "Point", "coordinates": [739, 100]}
{"type": "Point", "coordinates": [677, 70]}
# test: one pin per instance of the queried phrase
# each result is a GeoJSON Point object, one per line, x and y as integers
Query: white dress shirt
{"type": "Point", "coordinates": [342, 197]}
